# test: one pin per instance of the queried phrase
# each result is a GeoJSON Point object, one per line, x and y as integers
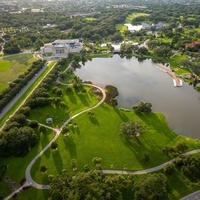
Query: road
{"type": "Point", "coordinates": [192, 196]}
{"type": "Point", "coordinates": [12, 102]}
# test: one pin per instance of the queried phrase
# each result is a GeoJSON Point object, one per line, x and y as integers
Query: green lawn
{"type": "Point", "coordinates": [20, 163]}
{"type": "Point", "coordinates": [180, 185]}
{"type": "Point", "coordinates": [4, 65]}
{"type": "Point", "coordinates": [132, 16]}
{"type": "Point", "coordinates": [100, 137]}
{"type": "Point", "coordinates": [33, 194]}
{"type": "Point", "coordinates": [12, 66]}
{"type": "Point", "coordinates": [90, 18]}
{"type": "Point", "coordinates": [3, 86]}
{"type": "Point", "coordinates": [75, 102]}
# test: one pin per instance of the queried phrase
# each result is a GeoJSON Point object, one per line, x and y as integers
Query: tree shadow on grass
{"type": "Point", "coordinates": [44, 141]}
{"type": "Point", "coordinates": [121, 114]}
{"type": "Point", "coordinates": [70, 146]}
{"type": "Point", "coordinates": [57, 160]}
{"type": "Point", "coordinates": [84, 99]}
{"type": "Point", "coordinates": [94, 120]}
{"type": "Point", "coordinates": [139, 149]}
{"type": "Point", "coordinates": [72, 97]}
{"type": "Point", "coordinates": [152, 120]}
{"type": "Point", "coordinates": [178, 184]}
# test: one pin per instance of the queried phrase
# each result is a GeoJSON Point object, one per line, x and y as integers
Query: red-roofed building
{"type": "Point", "coordinates": [193, 44]}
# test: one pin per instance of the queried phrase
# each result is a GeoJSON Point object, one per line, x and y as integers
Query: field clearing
{"type": "Point", "coordinates": [132, 16]}
{"type": "Point", "coordinates": [90, 18]}
{"type": "Point", "coordinates": [3, 86]}
{"type": "Point", "coordinates": [12, 66]}
{"type": "Point", "coordinates": [99, 136]}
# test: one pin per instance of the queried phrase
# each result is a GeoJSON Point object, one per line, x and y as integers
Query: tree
{"type": "Point", "coordinates": [54, 145]}
{"type": "Point", "coordinates": [88, 185]}
{"type": "Point", "coordinates": [152, 187]}
{"type": "Point", "coordinates": [142, 107]}
{"type": "Point", "coordinates": [97, 161]}
{"type": "Point", "coordinates": [191, 167]}
{"type": "Point", "coordinates": [162, 51]}
{"type": "Point", "coordinates": [113, 102]}
{"type": "Point", "coordinates": [169, 169]}
{"type": "Point", "coordinates": [166, 150]}
{"type": "Point", "coordinates": [33, 124]}
{"type": "Point", "coordinates": [42, 129]}
{"type": "Point", "coordinates": [43, 168]}
{"type": "Point", "coordinates": [145, 157]}
{"type": "Point", "coordinates": [181, 146]}
{"type": "Point", "coordinates": [17, 141]}
{"type": "Point", "coordinates": [73, 164]}
{"type": "Point", "coordinates": [131, 128]}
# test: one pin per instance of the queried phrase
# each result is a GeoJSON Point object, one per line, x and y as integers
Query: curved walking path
{"type": "Point", "coordinates": [31, 182]}
{"type": "Point", "coordinates": [29, 179]}
{"type": "Point", "coordinates": [172, 74]}
{"type": "Point", "coordinates": [145, 171]}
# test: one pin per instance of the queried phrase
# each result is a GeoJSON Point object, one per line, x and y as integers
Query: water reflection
{"type": "Point", "coordinates": [143, 81]}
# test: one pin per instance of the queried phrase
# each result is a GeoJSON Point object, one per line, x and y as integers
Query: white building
{"type": "Point", "coordinates": [146, 26]}
{"type": "Point", "coordinates": [60, 48]}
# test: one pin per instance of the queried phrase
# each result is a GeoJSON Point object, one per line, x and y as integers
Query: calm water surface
{"type": "Point", "coordinates": [138, 81]}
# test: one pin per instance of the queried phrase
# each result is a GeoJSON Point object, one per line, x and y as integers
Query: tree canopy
{"type": "Point", "coordinates": [131, 128]}
{"type": "Point", "coordinates": [142, 107]}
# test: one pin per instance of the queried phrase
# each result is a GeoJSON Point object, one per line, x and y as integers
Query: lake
{"type": "Point", "coordinates": [138, 81]}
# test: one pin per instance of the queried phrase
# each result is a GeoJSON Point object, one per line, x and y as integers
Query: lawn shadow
{"type": "Point", "coordinates": [72, 97]}
{"type": "Point", "coordinates": [57, 160]}
{"type": "Point", "coordinates": [94, 120]}
{"type": "Point", "coordinates": [84, 99]}
{"type": "Point", "coordinates": [139, 150]}
{"type": "Point", "coordinates": [70, 146]}
{"type": "Point", "coordinates": [121, 114]}
{"type": "Point", "coordinates": [152, 120]}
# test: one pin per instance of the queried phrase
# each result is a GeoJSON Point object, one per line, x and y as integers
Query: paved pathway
{"type": "Point", "coordinates": [29, 179]}
{"type": "Point", "coordinates": [172, 74]}
{"type": "Point", "coordinates": [145, 171]}
{"type": "Point", "coordinates": [192, 196]}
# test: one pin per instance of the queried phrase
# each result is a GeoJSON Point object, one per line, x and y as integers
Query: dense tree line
{"type": "Point", "coordinates": [94, 185]}
{"type": "Point", "coordinates": [19, 83]}
{"type": "Point", "coordinates": [17, 138]}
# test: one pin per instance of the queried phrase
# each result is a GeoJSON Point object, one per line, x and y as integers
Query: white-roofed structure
{"type": "Point", "coordinates": [61, 48]}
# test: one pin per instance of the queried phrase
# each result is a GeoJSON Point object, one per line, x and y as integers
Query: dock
{"type": "Point", "coordinates": [176, 80]}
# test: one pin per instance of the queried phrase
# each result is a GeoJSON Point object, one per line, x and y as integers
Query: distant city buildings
{"type": "Point", "coordinates": [61, 48]}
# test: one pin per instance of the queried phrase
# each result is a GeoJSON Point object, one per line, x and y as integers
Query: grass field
{"type": "Point", "coordinates": [75, 102]}
{"type": "Point", "coordinates": [100, 137]}
{"type": "Point", "coordinates": [135, 15]}
{"type": "Point", "coordinates": [90, 18]}
{"type": "Point", "coordinates": [3, 86]}
{"type": "Point", "coordinates": [12, 66]}
{"type": "Point", "coordinates": [121, 27]}
{"type": "Point", "coordinates": [33, 194]}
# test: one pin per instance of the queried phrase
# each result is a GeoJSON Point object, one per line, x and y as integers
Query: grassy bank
{"type": "Point", "coordinates": [99, 136]}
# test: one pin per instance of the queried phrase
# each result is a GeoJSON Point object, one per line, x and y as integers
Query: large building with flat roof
{"type": "Point", "coordinates": [61, 48]}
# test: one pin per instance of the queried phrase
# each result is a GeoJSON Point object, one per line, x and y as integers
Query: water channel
{"type": "Point", "coordinates": [138, 81]}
